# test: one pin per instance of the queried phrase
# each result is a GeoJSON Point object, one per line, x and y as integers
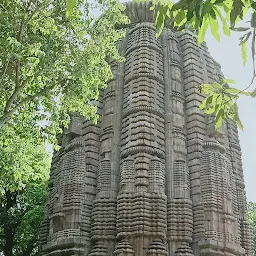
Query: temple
{"type": "Point", "coordinates": [152, 177]}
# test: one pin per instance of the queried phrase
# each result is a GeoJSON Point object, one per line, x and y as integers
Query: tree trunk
{"type": "Point", "coordinates": [9, 229]}
{"type": "Point", "coordinates": [29, 249]}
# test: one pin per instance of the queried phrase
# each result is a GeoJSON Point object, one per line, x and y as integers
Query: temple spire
{"type": "Point", "coordinates": [152, 178]}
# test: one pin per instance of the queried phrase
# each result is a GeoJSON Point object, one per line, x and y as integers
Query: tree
{"type": "Point", "coordinates": [24, 170]}
{"type": "Point", "coordinates": [52, 63]}
{"type": "Point", "coordinates": [198, 16]}
{"type": "Point", "coordinates": [252, 220]}
{"type": "Point", "coordinates": [21, 213]}
{"type": "Point", "coordinates": [23, 156]}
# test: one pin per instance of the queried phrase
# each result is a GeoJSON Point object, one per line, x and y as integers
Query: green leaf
{"type": "Point", "coordinates": [203, 29]}
{"type": "Point", "coordinates": [253, 5]}
{"type": "Point", "coordinates": [245, 37]}
{"type": "Point", "coordinates": [227, 99]}
{"type": "Point", "coordinates": [232, 90]}
{"type": "Point", "coordinates": [203, 104]}
{"type": "Point", "coordinates": [180, 17]}
{"type": "Point", "coordinates": [217, 86]}
{"type": "Point", "coordinates": [219, 118]}
{"type": "Point", "coordinates": [240, 29]}
{"type": "Point", "coordinates": [236, 117]}
{"type": "Point", "coordinates": [236, 11]}
{"type": "Point", "coordinates": [219, 101]}
{"type": "Point", "coordinates": [207, 88]}
{"type": "Point", "coordinates": [198, 9]}
{"type": "Point", "coordinates": [209, 111]}
{"type": "Point", "coordinates": [246, 93]}
{"type": "Point", "coordinates": [228, 81]}
{"type": "Point", "coordinates": [160, 18]}
{"type": "Point", "coordinates": [159, 23]}
{"type": "Point", "coordinates": [192, 5]}
{"type": "Point", "coordinates": [253, 20]}
{"type": "Point", "coordinates": [219, 1]}
{"type": "Point", "coordinates": [207, 6]}
{"type": "Point", "coordinates": [70, 6]}
{"type": "Point", "coordinates": [217, 106]}
{"type": "Point", "coordinates": [225, 26]}
{"type": "Point", "coordinates": [215, 28]}
{"type": "Point", "coordinates": [206, 102]}
{"type": "Point", "coordinates": [209, 100]}
{"type": "Point", "coordinates": [253, 93]}
{"type": "Point", "coordinates": [181, 4]}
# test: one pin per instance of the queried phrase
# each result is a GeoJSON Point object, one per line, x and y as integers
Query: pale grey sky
{"type": "Point", "coordinates": [228, 54]}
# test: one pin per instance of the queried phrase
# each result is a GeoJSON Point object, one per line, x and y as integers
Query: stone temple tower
{"type": "Point", "coordinates": [153, 177]}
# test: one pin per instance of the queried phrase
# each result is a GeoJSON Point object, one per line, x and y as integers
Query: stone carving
{"type": "Point", "coordinates": [153, 177]}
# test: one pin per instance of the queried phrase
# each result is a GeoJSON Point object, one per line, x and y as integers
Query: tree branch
{"type": "Point", "coordinates": [15, 94]}
{"type": "Point", "coordinates": [7, 115]}
{"type": "Point", "coordinates": [18, 86]}
{"type": "Point", "coordinates": [32, 244]}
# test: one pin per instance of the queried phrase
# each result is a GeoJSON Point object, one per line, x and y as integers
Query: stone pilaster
{"type": "Point", "coordinates": [72, 190]}
{"type": "Point", "coordinates": [105, 204]}
{"type": "Point", "coordinates": [193, 76]}
{"type": "Point", "coordinates": [221, 233]}
{"type": "Point", "coordinates": [141, 200]}
{"type": "Point", "coordinates": [180, 217]}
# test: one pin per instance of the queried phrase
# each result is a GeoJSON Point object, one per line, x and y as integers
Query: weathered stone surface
{"type": "Point", "coordinates": [153, 177]}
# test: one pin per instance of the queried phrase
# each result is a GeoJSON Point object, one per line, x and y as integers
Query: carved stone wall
{"type": "Point", "coordinates": [153, 177]}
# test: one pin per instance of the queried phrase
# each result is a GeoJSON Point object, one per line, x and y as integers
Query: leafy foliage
{"type": "Point", "coordinates": [210, 14]}
{"type": "Point", "coordinates": [23, 218]}
{"type": "Point", "coordinates": [252, 220]}
{"type": "Point", "coordinates": [201, 15]}
{"type": "Point", "coordinates": [23, 156]}
{"type": "Point", "coordinates": [54, 58]}
{"type": "Point", "coordinates": [221, 101]}
{"type": "Point", "coordinates": [24, 170]}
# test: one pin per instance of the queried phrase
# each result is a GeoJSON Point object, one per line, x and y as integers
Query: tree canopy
{"type": "Point", "coordinates": [53, 62]}
{"type": "Point", "coordinates": [54, 58]}
{"type": "Point", "coordinates": [24, 171]}
{"type": "Point", "coordinates": [21, 214]}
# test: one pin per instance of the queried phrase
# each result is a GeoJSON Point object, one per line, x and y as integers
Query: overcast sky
{"type": "Point", "coordinates": [228, 54]}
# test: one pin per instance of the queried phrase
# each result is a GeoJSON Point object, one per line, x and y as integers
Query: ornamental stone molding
{"type": "Point", "coordinates": [153, 177]}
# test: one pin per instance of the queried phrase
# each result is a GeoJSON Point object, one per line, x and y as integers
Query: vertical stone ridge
{"type": "Point", "coordinates": [104, 206]}
{"type": "Point", "coordinates": [72, 190]}
{"type": "Point", "coordinates": [141, 201]}
{"type": "Point", "coordinates": [193, 75]}
{"type": "Point", "coordinates": [179, 215]}
{"type": "Point", "coordinates": [212, 185]}
{"type": "Point", "coordinates": [240, 202]}
{"type": "Point", "coordinates": [217, 185]}
{"type": "Point", "coordinates": [233, 152]}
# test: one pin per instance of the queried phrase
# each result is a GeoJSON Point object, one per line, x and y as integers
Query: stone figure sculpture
{"type": "Point", "coordinates": [153, 177]}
